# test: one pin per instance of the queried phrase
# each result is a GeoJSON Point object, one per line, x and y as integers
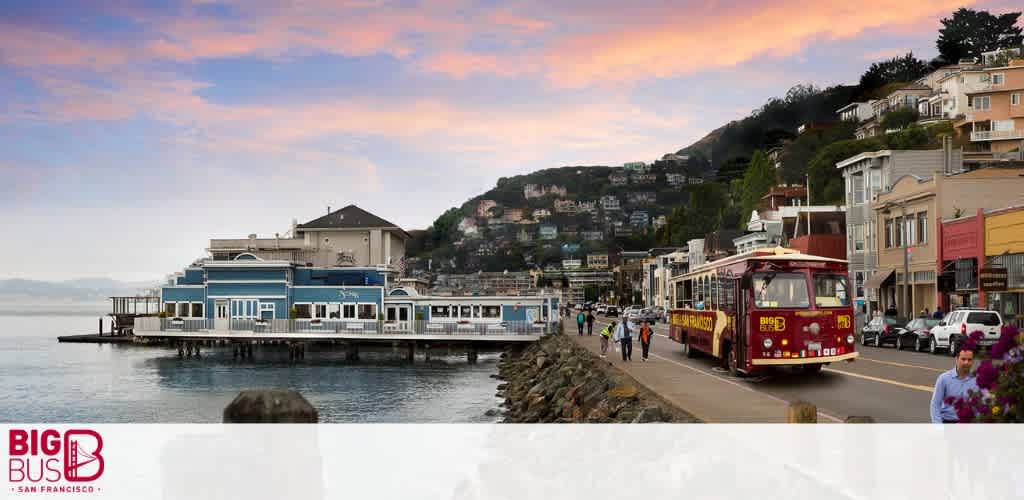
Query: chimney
{"type": "Point", "coordinates": [328, 210]}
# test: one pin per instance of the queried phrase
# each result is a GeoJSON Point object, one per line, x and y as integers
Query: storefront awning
{"type": "Point", "coordinates": [876, 280]}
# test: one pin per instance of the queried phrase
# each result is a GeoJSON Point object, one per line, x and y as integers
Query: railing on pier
{"type": "Point", "coordinates": [340, 326]}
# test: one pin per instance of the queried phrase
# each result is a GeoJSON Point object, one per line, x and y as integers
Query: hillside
{"type": "Point", "coordinates": [584, 209]}
{"type": "Point", "coordinates": [81, 290]}
{"type": "Point", "coordinates": [770, 125]}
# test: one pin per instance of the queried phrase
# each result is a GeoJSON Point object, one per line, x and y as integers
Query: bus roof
{"type": "Point", "coordinates": [768, 254]}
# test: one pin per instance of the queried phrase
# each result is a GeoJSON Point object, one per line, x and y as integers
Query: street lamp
{"type": "Point", "coordinates": [905, 245]}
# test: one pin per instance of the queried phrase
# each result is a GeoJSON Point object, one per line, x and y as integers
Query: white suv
{"type": "Point", "coordinates": [954, 329]}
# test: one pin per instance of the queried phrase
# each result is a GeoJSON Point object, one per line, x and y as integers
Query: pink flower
{"type": "Point", "coordinates": [1007, 341]}
{"type": "Point", "coordinates": [987, 375]}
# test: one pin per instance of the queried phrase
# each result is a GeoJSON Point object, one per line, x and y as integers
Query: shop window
{"type": "Point", "coordinates": [367, 311]}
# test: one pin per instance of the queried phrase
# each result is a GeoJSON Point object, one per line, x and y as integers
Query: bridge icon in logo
{"type": "Point", "coordinates": [82, 459]}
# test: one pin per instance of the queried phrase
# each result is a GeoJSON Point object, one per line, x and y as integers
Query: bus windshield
{"type": "Point", "coordinates": [779, 290]}
{"type": "Point", "coordinates": [830, 290]}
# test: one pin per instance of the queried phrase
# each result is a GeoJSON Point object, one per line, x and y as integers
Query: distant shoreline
{"type": "Point", "coordinates": [56, 309]}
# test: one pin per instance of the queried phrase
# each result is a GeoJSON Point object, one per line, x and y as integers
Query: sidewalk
{"type": "Point", "coordinates": [707, 397]}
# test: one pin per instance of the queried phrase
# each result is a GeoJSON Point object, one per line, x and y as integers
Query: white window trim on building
{"type": "Point", "coordinates": [188, 308]}
{"type": "Point", "coordinates": [345, 310]}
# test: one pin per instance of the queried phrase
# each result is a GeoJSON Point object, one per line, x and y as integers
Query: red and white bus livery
{"type": "Point", "coordinates": [768, 307]}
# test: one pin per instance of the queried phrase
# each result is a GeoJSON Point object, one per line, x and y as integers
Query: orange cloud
{"type": "Point", "coordinates": [725, 37]}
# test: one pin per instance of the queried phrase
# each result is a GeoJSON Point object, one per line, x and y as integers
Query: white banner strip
{"type": "Point", "coordinates": [423, 461]}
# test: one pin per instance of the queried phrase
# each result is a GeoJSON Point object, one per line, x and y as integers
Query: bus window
{"type": "Point", "coordinates": [713, 295]}
{"type": "Point", "coordinates": [831, 290]}
{"type": "Point", "coordinates": [779, 290]}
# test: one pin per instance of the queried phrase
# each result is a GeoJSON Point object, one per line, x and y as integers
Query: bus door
{"type": "Point", "coordinates": [740, 324]}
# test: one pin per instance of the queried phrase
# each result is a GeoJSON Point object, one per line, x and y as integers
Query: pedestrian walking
{"type": "Point", "coordinates": [645, 339]}
{"type": "Point", "coordinates": [624, 336]}
{"type": "Point", "coordinates": [590, 322]}
{"type": "Point", "coordinates": [891, 311]}
{"type": "Point", "coordinates": [953, 384]}
{"type": "Point", "coordinates": [580, 319]}
{"type": "Point", "coordinates": [606, 337]}
{"type": "Point", "coordinates": [938, 313]}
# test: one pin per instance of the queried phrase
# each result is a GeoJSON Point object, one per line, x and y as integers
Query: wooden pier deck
{"type": "Point", "coordinates": [241, 336]}
{"type": "Point", "coordinates": [95, 338]}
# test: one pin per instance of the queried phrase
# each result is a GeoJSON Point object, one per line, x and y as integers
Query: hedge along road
{"type": "Point", "coordinates": [883, 383]}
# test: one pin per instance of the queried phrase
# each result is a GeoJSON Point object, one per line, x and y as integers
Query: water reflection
{"type": "Point", "coordinates": [49, 382]}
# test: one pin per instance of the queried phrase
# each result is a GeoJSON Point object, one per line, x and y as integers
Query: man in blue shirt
{"type": "Point", "coordinates": [955, 383]}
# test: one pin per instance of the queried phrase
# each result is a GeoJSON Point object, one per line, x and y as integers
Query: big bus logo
{"type": "Point", "coordinates": [772, 323]}
{"type": "Point", "coordinates": [48, 456]}
{"type": "Point", "coordinates": [843, 321]}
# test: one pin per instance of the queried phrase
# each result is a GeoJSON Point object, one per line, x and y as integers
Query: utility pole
{"type": "Point", "coordinates": [807, 177]}
{"type": "Point", "coordinates": [906, 263]}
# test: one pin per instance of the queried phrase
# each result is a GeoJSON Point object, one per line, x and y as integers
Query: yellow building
{"type": "Point", "coordinates": [1004, 247]}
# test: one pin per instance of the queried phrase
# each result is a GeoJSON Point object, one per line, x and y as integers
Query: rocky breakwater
{"type": "Point", "coordinates": [555, 380]}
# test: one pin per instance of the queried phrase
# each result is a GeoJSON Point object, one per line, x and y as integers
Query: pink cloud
{"type": "Point", "coordinates": [730, 35]}
{"type": "Point", "coordinates": [569, 48]}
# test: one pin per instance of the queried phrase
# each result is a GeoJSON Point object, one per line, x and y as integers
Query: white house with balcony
{"type": "Point", "coordinates": [855, 112]}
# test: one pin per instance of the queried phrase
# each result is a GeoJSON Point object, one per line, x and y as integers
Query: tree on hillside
{"type": "Point", "coordinates": [732, 168]}
{"type": "Point", "coordinates": [914, 136]}
{"type": "Point", "coordinates": [757, 180]}
{"type": "Point", "coordinates": [826, 183]}
{"type": "Point", "coordinates": [797, 154]}
{"type": "Point", "coordinates": [446, 228]}
{"type": "Point", "coordinates": [899, 118]}
{"type": "Point", "coordinates": [968, 33]}
{"type": "Point", "coordinates": [898, 69]}
{"type": "Point", "coordinates": [697, 218]}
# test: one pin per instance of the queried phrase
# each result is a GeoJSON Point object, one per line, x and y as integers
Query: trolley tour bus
{"type": "Point", "coordinates": [766, 308]}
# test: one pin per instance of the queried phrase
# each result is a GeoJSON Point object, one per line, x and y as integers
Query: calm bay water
{"type": "Point", "coordinates": [44, 381]}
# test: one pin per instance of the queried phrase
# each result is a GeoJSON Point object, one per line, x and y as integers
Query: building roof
{"type": "Point", "coordinates": [350, 217]}
{"type": "Point", "coordinates": [787, 191]}
{"type": "Point", "coordinates": [852, 105]}
{"type": "Point", "coordinates": [913, 86]}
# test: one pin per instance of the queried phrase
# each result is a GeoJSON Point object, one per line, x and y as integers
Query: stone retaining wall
{"type": "Point", "coordinates": [555, 380]}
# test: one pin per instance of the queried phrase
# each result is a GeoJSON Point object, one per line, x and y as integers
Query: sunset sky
{"type": "Point", "coordinates": [129, 136]}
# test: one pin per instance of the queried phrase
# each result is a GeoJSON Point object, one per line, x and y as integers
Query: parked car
{"type": "Point", "coordinates": [882, 330]}
{"type": "Point", "coordinates": [652, 314]}
{"type": "Point", "coordinates": [631, 311]}
{"type": "Point", "coordinates": [601, 309]}
{"type": "Point", "coordinates": [953, 330]}
{"type": "Point", "coordinates": [659, 314]}
{"type": "Point", "coordinates": [611, 311]}
{"type": "Point", "coordinates": [916, 334]}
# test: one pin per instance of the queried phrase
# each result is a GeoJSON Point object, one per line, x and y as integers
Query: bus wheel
{"type": "Point", "coordinates": [731, 363]}
{"type": "Point", "coordinates": [812, 369]}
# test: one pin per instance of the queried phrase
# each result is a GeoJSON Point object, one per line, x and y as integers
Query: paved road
{"type": "Point", "coordinates": [889, 385]}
